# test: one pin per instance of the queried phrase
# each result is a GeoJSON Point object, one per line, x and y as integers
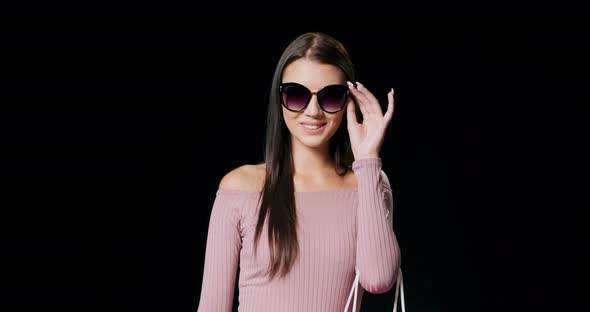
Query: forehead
{"type": "Point", "coordinates": [312, 74]}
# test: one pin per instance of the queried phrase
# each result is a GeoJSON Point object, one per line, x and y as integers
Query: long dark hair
{"type": "Point", "coordinates": [278, 199]}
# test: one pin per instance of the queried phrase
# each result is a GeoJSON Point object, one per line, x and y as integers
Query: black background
{"type": "Point", "coordinates": [117, 129]}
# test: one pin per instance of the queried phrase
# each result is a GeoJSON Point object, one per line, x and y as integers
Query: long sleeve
{"type": "Point", "coordinates": [377, 254]}
{"type": "Point", "coordinates": [221, 255]}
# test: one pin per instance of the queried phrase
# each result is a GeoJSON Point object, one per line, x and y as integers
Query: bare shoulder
{"type": "Point", "coordinates": [385, 180]}
{"type": "Point", "coordinates": [248, 177]}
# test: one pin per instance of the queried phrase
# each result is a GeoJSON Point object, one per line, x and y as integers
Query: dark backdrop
{"type": "Point", "coordinates": [116, 132]}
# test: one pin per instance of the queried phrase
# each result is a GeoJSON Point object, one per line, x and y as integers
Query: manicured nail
{"type": "Point", "coordinates": [349, 84]}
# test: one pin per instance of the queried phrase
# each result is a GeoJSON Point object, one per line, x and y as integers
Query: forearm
{"type": "Point", "coordinates": [377, 254]}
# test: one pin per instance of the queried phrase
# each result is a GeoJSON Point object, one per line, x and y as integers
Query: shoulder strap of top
{"type": "Point", "coordinates": [399, 285]}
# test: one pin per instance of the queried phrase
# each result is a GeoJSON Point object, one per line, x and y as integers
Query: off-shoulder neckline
{"type": "Point", "coordinates": [248, 192]}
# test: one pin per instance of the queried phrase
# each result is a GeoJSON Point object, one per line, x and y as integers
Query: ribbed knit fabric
{"type": "Point", "coordinates": [338, 231]}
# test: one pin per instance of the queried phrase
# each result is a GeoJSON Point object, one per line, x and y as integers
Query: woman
{"type": "Point", "coordinates": [318, 211]}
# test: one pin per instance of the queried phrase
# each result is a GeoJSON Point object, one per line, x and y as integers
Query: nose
{"type": "Point", "coordinates": [313, 108]}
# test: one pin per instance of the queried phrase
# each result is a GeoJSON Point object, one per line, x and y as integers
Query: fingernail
{"type": "Point", "coordinates": [358, 85]}
{"type": "Point", "coordinates": [349, 84]}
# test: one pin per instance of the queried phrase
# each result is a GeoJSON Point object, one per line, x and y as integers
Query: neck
{"type": "Point", "coordinates": [311, 161]}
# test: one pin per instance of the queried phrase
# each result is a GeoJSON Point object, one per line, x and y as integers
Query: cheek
{"type": "Point", "coordinates": [338, 119]}
{"type": "Point", "coordinates": [289, 119]}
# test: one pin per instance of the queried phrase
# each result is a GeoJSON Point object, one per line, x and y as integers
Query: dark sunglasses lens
{"type": "Point", "coordinates": [295, 97]}
{"type": "Point", "coordinates": [333, 98]}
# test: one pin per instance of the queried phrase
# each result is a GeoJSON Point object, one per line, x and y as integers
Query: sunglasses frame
{"type": "Point", "coordinates": [282, 85]}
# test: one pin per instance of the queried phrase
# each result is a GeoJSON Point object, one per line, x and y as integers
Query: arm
{"type": "Point", "coordinates": [377, 255]}
{"type": "Point", "coordinates": [388, 193]}
{"type": "Point", "coordinates": [221, 255]}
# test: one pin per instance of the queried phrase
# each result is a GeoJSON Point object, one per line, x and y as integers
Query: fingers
{"type": "Point", "coordinates": [389, 113]}
{"type": "Point", "coordinates": [360, 98]}
{"type": "Point", "coordinates": [368, 103]}
{"type": "Point", "coordinates": [350, 113]}
{"type": "Point", "coordinates": [373, 103]}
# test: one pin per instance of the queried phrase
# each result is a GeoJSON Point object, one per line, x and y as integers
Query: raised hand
{"type": "Point", "coordinates": [366, 138]}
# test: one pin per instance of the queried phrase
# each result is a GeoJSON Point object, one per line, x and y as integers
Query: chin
{"type": "Point", "coordinates": [313, 143]}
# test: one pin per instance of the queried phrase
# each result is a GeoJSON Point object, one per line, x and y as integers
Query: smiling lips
{"type": "Point", "coordinates": [313, 127]}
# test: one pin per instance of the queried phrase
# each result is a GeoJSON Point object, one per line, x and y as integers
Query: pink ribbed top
{"type": "Point", "coordinates": [338, 231]}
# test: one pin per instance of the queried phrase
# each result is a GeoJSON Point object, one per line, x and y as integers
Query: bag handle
{"type": "Point", "coordinates": [399, 282]}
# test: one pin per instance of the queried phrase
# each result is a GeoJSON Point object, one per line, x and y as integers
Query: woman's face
{"type": "Point", "coordinates": [314, 76]}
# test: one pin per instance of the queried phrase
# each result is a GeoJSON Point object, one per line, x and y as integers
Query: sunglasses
{"type": "Point", "coordinates": [331, 99]}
